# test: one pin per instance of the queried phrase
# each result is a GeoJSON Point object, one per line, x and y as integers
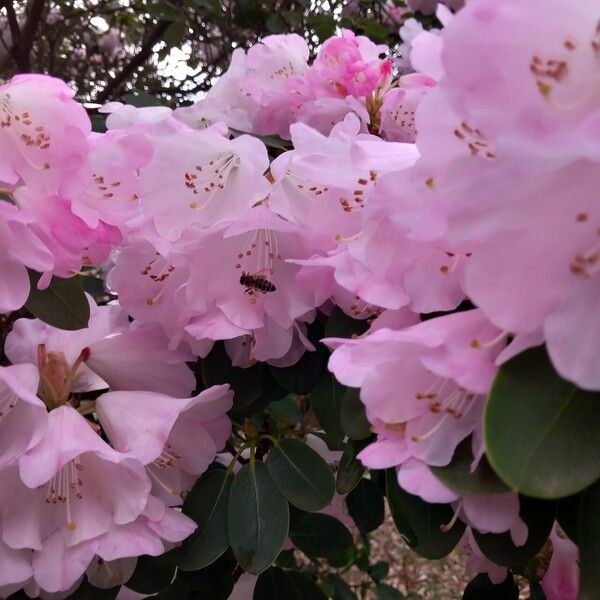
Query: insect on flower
{"type": "Point", "coordinates": [256, 283]}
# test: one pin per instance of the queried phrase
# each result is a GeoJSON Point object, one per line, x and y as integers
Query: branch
{"type": "Point", "coordinates": [34, 16]}
{"type": "Point", "coordinates": [155, 35]}
{"type": "Point", "coordinates": [13, 23]}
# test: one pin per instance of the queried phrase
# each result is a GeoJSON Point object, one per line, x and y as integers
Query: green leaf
{"type": "Point", "coordinates": [152, 574]}
{"type": "Point", "coordinates": [301, 377]}
{"type": "Point", "coordinates": [353, 415]}
{"type": "Point", "coordinates": [588, 534]}
{"type": "Point", "coordinates": [258, 518]}
{"type": "Point", "coordinates": [269, 388]}
{"type": "Point", "coordinates": [86, 591]}
{"type": "Point", "coordinates": [301, 475]}
{"type": "Point", "coordinates": [481, 588]}
{"type": "Point", "coordinates": [540, 430]}
{"type": "Point", "coordinates": [420, 523]}
{"type": "Point", "coordinates": [215, 581]}
{"type": "Point", "coordinates": [286, 410]}
{"type": "Point", "coordinates": [277, 584]}
{"type": "Point", "coordinates": [207, 505]}
{"type": "Point", "coordinates": [173, 36]}
{"type": "Point", "coordinates": [535, 591]}
{"type": "Point", "coordinates": [350, 469]}
{"type": "Point", "coordinates": [340, 324]}
{"type": "Point", "coordinates": [379, 570]}
{"type": "Point", "coordinates": [98, 121]}
{"type": "Point", "coordinates": [365, 505]}
{"type": "Point", "coordinates": [217, 369]}
{"type": "Point", "coordinates": [326, 402]}
{"type": "Point", "coordinates": [274, 24]}
{"type": "Point", "coordinates": [62, 304]}
{"type": "Point", "coordinates": [341, 590]}
{"type": "Point", "coordinates": [387, 592]}
{"type": "Point", "coordinates": [320, 536]}
{"type": "Point", "coordinates": [499, 547]}
{"type": "Point", "coordinates": [164, 11]}
{"type": "Point", "coordinates": [458, 476]}
{"type": "Point", "coordinates": [141, 100]}
{"type": "Point", "coordinates": [322, 24]}
{"type": "Point", "coordinates": [373, 29]}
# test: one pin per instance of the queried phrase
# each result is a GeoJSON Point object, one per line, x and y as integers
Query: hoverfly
{"type": "Point", "coordinates": [256, 283]}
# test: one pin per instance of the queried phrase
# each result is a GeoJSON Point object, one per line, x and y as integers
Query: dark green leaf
{"type": "Point", "coordinates": [62, 304]}
{"type": "Point", "coordinates": [341, 590]}
{"type": "Point", "coordinates": [215, 581]}
{"type": "Point", "coordinates": [141, 100]}
{"type": "Point", "coordinates": [350, 469]}
{"type": "Point", "coordinates": [98, 121]}
{"type": "Point", "coordinates": [86, 591]}
{"type": "Point", "coordinates": [365, 505]}
{"type": "Point", "coordinates": [217, 369]}
{"type": "Point", "coordinates": [274, 23]}
{"type": "Point", "coordinates": [326, 402]}
{"type": "Point", "coordinates": [258, 518]}
{"type": "Point", "coordinates": [268, 387]}
{"type": "Point", "coordinates": [373, 29]}
{"type": "Point", "coordinates": [387, 592]}
{"type": "Point", "coordinates": [164, 11]}
{"type": "Point", "coordinates": [588, 533]}
{"type": "Point", "coordinates": [420, 523]}
{"type": "Point", "coordinates": [152, 574]}
{"type": "Point", "coordinates": [177, 591]}
{"type": "Point", "coordinates": [540, 430]}
{"type": "Point", "coordinates": [340, 324]}
{"type": "Point", "coordinates": [499, 547]}
{"type": "Point", "coordinates": [481, 588]}
{"type": "Point", "coordinates": [535, 591]}
{"type": "Point", "coordinates": [322, 24]}
{"type": "Point", "coordinates": [353, 415]}
{"type": "Point", "coordinates": [301, 377]}
{"type": "Point", "coordinates": [277, 584]}
{"type": "Point", "coordinates": [207, 505]}
{"type": "Point", "coordinates": [286, 410]}
{"type": "Point", "coordinates": [458, 476]}
{"type": "Point", "coordinates": [319, 535]}
{"type": "Point", "coordinates": [379, 570]}
{"type": "Point", "coordinates": [174, 34]}
{"type": "Point", "coordinates": [566, 515]}
{"type": "Point", "coordinates": [301, 475]}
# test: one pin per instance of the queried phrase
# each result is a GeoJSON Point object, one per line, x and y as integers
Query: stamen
{"type": "Point", "coordinates": [475, 343]}
{"type": "Point", "coordinates": [445, 528]}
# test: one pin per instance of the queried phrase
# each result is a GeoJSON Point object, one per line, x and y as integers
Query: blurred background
{"type": "Point", "coordinates": [171, 49]}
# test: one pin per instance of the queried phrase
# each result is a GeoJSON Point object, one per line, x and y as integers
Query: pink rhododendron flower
{"type": "Point", "coordinates": [19, 247]}
{"type": "Point", "coordinates": [209, 178]}
{"type": "Point", "coordinates": [176, 439]}
{"type": "Point", "coordinates": [349, 65]}
{"type": "Point", "coordinates": [108, 353]}
{"type": "Point", "coordinates": [561, 580]}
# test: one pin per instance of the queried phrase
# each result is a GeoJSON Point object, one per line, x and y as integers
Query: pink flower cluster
{"type": "Point", "coordinates": [472, 179]}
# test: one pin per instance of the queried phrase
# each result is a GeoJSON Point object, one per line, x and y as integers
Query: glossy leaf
{"type": "Point", "coordinates": [540, 430]}
{"type": "Point", "coordinates": [365, 505]}
{"type": "Point", "coordinates": [350, 469]}
{"type": "Point", "coordinates": [326, 401]}
{"type": "Point", "coordinates": [215, 581]}
{"type": "Point", "coordinates": [458, 476]}
{"type": "Point", "coordinates": [207, 505]}
{"type": "Point", "coordinates": [301, 475]}
{"type": "Point", "coordinates": [257, 519]}
{"type": "Point", "coordinates": [420, 523]}
{"type": "Point", "coordinates": [277, 584]}
{"type": "Point", "coordinates": [383, 591]}
{"type": "Point", "coordinates": [481, 588]}
{"type": "Point", "coordinates": [86, 591]}
{"type": "Point", "coordinates": [341, 590]}
{"type": "Point", "coordinates": [319, 535]}
{"type": "Point", "coordinates": [539, 516]}
{"type": "Point", "coordinates": [588, 533]}
{"type": "Point", "coordinates": [301, 377]}
{"type": "Point", "coordinates": [217, 369]}
{"type": "Point", "coordinates": [340, 324]}
{"type": "Point", "coordinates": [353, 415]}
{"type": "Point", "coordinates": [152, 574]}
{"type": "Point", "coordinates": [62, 304]}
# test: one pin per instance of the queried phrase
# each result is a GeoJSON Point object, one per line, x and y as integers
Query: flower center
{"type": "Point", "coordinates": [66, 483]}
{"type": "Point", "coordinates": [206, 178]}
